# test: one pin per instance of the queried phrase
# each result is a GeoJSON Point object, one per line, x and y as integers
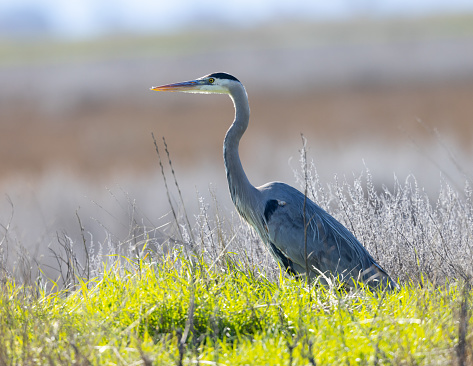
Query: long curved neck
{"type": "Point", "coordinates": [241, 190]}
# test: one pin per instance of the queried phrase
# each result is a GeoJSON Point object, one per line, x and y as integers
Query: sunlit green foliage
{"type": "Point", "coordinates": [181, 310]}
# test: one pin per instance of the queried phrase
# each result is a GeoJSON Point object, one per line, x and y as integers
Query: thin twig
{"type": "Point", "coordinates": [87, 263]}
{"type": "Point", "coordinates": [463, 326]}
{"type": "Point", "coordinates": [179, 192]}
{"type": "Point", "coordinates": [304, 214]}
{"type": "Point", "coordinates": [167, 188]}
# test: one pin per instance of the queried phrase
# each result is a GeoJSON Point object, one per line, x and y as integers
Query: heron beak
{"type": "Point", "coordinates": [179, 87]}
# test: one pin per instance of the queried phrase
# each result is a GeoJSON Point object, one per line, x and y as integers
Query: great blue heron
{"type": "Point", "coordinates": [299, 234]}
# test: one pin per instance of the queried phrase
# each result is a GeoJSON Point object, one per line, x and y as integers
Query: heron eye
{"type": "Point", "coordinates": [211, 80]}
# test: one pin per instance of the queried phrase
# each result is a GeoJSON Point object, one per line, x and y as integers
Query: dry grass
{"type": "Point", "coordinates": [205, 291]}
{"type": "Point", "coordinates": [95, 141]}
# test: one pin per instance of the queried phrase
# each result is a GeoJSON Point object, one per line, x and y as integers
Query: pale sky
{"type": "Point", "coordinates": [88, 18]}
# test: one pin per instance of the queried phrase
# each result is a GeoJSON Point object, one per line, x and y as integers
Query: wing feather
{"type": "Point", "coordinates": [332, 249]}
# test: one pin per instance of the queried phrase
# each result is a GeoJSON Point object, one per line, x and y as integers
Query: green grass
{"type": "Point", "coordinates": [145, 312]}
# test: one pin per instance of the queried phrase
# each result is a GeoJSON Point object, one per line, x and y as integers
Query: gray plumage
{"type": "Point", "coordinates": [289, 223]}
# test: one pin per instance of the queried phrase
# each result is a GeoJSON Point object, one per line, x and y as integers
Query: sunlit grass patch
{"type": "Point", "coordinates": [167, 313]}
{"type": "Point", "coordinates": [208, 293]}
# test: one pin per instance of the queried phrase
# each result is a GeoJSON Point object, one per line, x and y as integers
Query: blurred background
{"type": "Point", "coordinates": [387, 85]}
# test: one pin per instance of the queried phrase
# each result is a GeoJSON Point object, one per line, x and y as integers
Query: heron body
{"type": "Point", "coordinates": [300, 235]}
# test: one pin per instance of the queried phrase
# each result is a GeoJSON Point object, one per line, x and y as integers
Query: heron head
{"type": "Point", "coordinates": [216, 83]}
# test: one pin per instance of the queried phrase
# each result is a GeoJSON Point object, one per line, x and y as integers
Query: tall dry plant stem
{"type": "Point", "coordinates": [180, 194]}
{"type": "Point", "coordinates": [167, 189]}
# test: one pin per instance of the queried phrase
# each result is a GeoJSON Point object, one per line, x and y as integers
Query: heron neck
{"type": "Point", "coordinates": [240, 187]}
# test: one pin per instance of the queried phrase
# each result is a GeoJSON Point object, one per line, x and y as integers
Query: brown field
{"type": "Point", "coordinates": [96, 141]}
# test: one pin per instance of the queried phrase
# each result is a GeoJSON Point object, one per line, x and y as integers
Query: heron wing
{"type": "Point", "coordinates": [297, 227]}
